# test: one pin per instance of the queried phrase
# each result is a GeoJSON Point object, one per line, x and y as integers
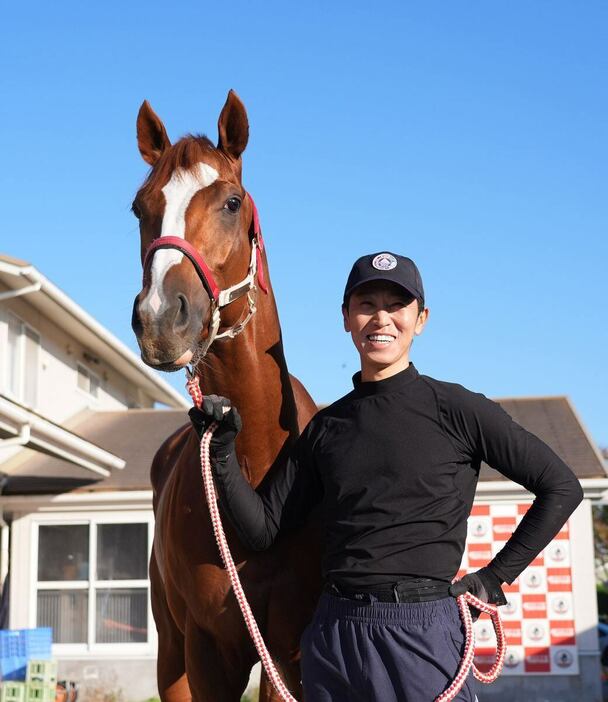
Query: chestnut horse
{"type": "Point", "coordinates": [194, 193]}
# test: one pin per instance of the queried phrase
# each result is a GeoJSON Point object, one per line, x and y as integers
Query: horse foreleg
{"type": "Point", "coordinates": [269, 694]}
{"type": "Point", "coordinates": [217, 672]}
{"type": "Point", "coordinates": [170, 666]}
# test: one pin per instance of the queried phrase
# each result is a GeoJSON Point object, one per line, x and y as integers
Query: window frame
{"type": "Point", "coordinates": [20, 395]}
{"type": "Point", "coordinates": [91, 648]}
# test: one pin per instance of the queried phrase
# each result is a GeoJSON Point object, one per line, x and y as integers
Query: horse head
{"type": "Point", "coordinates": [200, 244]}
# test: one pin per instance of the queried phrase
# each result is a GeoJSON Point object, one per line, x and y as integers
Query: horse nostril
{"type": "Point", "coordinates": [136, 324]}
{"type": "Point", "coordinates": [182, 314]}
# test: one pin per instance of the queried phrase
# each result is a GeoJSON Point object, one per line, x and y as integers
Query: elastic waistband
{"type": "Point", "coordinates": [408, 590]}
{"type": "Point", "coordinates": [332, 606]}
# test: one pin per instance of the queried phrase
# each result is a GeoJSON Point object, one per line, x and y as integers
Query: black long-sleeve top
{"type": "Point", "coordinates": [394, 465]}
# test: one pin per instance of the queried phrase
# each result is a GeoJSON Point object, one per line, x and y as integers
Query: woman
{"type": "Point", "coordinates": [393, 465]}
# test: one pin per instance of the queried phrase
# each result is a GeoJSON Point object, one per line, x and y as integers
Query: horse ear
{"type": "Point", "coordinates": [233, 126]}
{"type": "Point", "coordinates": [152, 136]}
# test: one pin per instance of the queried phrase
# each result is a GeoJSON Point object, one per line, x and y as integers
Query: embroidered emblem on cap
{"type": "Point", "coordinates": [384, 262]}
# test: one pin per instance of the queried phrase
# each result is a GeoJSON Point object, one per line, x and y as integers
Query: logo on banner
{"type": "Point", "coordinates": [563, 658]}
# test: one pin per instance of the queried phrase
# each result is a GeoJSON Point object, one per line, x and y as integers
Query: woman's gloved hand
{"type": "Point", "coordinates": [216, 408]}
{"type": "Point", "coordinates": [484, 584]}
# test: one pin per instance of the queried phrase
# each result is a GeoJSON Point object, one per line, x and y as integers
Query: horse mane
{"type": "Point", "coordinates": [185, 154]}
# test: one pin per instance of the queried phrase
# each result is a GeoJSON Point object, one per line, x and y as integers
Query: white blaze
{"type": "Point", "coordinates": [179, 191]}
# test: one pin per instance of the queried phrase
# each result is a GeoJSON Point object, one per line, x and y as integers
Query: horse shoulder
{"type": "Point", "coordinates": [166, 457]}
{"type": "Point", "coordinates": [305, 405]}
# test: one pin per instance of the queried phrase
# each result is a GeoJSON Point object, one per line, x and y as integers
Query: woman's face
{"type": "Point", "coordinates": [382, 319]}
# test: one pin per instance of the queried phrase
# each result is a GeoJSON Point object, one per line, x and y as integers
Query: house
{"type": "Point", "coordinates": [81, 530]}
{"type": "Point", "coordinates": [64, 379]}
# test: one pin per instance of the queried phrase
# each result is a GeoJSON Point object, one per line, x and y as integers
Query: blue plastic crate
{"type": "Point", "coordinates": [13, 668]}
{"type": "Point", "coordinates": [17, 646]}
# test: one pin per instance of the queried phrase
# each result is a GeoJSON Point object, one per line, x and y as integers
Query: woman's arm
{"type": "Point", "coordinates": [285, 496]}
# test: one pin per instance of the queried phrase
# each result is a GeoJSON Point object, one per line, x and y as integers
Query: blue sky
{"type": "Point", "coordinates": [470, 136]}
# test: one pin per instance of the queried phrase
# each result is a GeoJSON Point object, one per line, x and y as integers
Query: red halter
{"type": "Point", "coordinates": [203, 271]}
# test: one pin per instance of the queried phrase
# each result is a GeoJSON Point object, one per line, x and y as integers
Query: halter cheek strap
{"type": "Point", "coordinates": [204, 273]}
{"type": "Point", "coordinates": [185, 247]}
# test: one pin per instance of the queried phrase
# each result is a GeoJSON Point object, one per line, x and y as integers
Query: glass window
{"type": "Point", "coordinates": [87, 381]}
{"type": "Point", "coordinates": [63, 552]}
{"type": "Point", "coordinates": [66, 611]}
{"type": "Point", "coordinates": [30, 379]}
{"type": "Point", "coordinates": [93, 385]}
{"type": "Point", "coordinates": [122, 615]}
{"type": "Point", "coordinates": [14, 355]}
{"type": "Point", "coordinates": [104, 604]}
{"type": "Point", "coordinates": [23, 361]}
{"type": "Point", "coordinates": [122, 551]}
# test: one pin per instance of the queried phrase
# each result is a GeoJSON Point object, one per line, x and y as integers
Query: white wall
{"type": "Point", "coordinates": [59, 397]}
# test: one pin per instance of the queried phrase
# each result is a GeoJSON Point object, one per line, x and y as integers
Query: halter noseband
{"type": "Point", "coordinates": [220, 298]}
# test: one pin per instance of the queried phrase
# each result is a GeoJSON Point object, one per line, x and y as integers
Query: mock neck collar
{"type": "Point", "coordinates": [390, 384]}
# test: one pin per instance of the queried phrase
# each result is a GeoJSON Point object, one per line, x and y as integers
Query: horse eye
{"type": "Point", "coordinates": [233, 204]}
{"type": "Point", "coordinates": [136, 211]}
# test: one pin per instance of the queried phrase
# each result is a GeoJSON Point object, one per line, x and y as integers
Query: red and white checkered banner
{"type": "Point", "coordinates": [539, 618]}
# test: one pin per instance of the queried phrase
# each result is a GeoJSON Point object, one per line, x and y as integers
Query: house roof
{"type": "Point", "coordinates": [556, 422]}
{"type": "Point", "coordinates": [135, 436]}
{"type": "Point", "coordinates": [54, 304]}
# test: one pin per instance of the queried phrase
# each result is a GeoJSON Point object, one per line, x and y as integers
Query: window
{"type": "Point", "coordinates": [23, 361]}
{"type": "Point", "coordinates": [88, 381]}
{"type": "Point", "coordinates": [92, 582]}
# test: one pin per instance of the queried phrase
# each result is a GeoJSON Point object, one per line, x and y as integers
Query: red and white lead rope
{"type": "Point", "coordinates": [197, 397]}
{"type": "Point", "coordinates": [463, 601]}
{"type": "Point", "coordinates": [466, 664]}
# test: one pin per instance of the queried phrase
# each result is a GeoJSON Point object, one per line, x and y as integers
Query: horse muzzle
{"type": "Point", "coordinates": [168, 335]}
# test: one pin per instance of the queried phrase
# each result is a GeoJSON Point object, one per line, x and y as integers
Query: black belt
{"type": "Point", "coordinates": [410, 590]}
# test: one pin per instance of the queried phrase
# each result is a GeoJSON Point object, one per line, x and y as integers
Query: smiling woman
{"type": "Point", "coordinates": [383, 310]}
{"type": "Point", "coordinates": [393, 466]}
{"type": "Point", "coordinates": [383, 318]}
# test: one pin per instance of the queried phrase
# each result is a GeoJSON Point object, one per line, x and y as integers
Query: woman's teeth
{"type": "Point", "coordinates": [380, 338]}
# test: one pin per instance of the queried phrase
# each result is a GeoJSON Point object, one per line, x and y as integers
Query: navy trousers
{"type": "Point", "coordinates": [376, 651]}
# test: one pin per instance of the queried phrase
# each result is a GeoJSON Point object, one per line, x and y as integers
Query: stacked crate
{"type": "Point", "coordinates": [41, 681]}
{"type": "Point", "coordinates": [18, 646]}
{"type": "Point", "coordinates": [12, 691]}
{"type": "Point", "coordinates": [25, 669]}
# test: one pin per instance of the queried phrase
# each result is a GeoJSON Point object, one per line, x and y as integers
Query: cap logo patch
{"type": "Point", "coordinates": [384, 262]}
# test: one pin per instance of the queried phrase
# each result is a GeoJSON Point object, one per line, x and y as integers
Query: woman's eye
{"type": "Point", "coordinates": [233, 204]}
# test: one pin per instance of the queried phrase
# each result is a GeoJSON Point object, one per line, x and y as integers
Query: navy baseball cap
{"type": "Point", "coordinates": [385, 266]}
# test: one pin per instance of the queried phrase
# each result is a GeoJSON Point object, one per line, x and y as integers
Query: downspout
{"type": "Point", "coordinates": [9, 294]}
{"type": "Point", "coordinates": [21, 439]}
{"type": "Point", "coordinates": [4, 537]}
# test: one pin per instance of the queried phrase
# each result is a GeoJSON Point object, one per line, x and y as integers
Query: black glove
{"type": "Point", "coordinates": [484, 584]}
{"type": "Point", "coordinates": [212, 410]}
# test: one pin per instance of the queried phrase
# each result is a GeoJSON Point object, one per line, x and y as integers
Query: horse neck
{"type": "Point", "coordinates": [251, 371]}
